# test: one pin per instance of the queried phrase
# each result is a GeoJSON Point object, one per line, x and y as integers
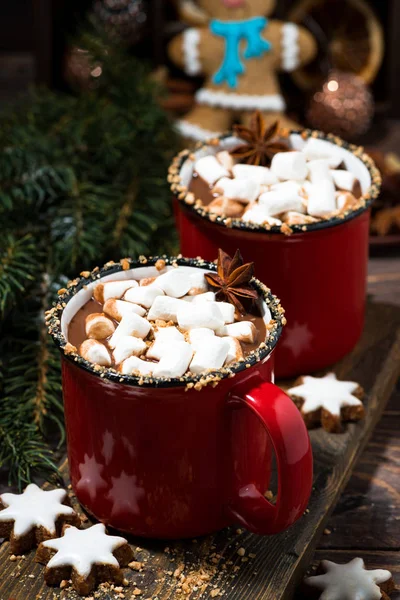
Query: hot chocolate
{"type": "Point", "coordinates": [165, 326]}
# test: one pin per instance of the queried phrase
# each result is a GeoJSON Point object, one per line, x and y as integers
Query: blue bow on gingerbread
{"type": "Point", "coordinates": [234, 32]}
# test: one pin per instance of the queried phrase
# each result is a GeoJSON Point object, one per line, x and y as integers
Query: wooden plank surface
{"type": "Point", "coordinates": [271, 567]}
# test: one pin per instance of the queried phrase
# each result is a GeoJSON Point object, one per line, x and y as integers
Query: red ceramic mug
{"type": "Point", "coordinates": [163, 459]}
{"type": "Point", "coordinates": [319, 271]}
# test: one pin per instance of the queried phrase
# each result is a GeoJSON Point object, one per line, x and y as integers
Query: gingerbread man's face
{"type": "Point", "coordinates": [229, 10]}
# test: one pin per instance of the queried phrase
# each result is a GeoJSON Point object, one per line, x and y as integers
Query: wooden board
{"type": "Point", "coordinates": [271, 567]}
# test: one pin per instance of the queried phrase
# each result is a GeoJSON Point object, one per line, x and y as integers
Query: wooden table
{"type": "Point", "coordinates": [366, 522]}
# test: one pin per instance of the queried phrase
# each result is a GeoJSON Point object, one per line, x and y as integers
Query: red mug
{"type": "Point", "coordinates": [162, 459]}
{"type": "Point", "coordinates": [319, 272]}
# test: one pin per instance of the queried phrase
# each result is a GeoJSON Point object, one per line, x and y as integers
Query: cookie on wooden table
{"type": "Point", "coordinates": [351, 581]}
{"type": "Point", "coordinates": [87, 556]}
{"type": "Point", "coordinates": [36, 515]}
{"type": "Point", "coordinates": [328, 401]}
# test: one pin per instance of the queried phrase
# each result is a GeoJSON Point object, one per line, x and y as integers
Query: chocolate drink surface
{"type": "Point", "coordinates": [166, 326]}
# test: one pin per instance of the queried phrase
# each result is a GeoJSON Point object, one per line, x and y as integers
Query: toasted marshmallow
{"type": "Point", "coordinates": [243, 190]}
{"type": "Point", "coordinates": [198, 336]}
{"type": "Point", "coordinates": [261, 175]}
{"type": "Point", "coordinates": [164, 337]}
{"type": "Point", "coordinates": [135, 365]}
{"type": "Point", "coordinates": [113, 289]}
{"type": "Point", "coordinates": [282, 198]}
{"type": "Point", "coordinates": [116, 309]}
{"type": "Point", "coordinates": [209, 169]}
{"type": "Point", "coordinates": [289, 165]}
{"type": "Point", "coordinates": [144, 296]}
{"type": "Point", "coordinates": [211, 354]}
{"type": "Point", "coordinates": [319, 170]}
{"type": "Point", "coordinates": [315, 149]}
{"type": "Point", "coordinates": [95, 352]}
{"type": "Point", "coordinates": [174, 283]}
{"type": "Point", "coordinates": [244, 331]}
{"type": "Point", "coordinates": [226, 207]}
{"type": "Point", "coordinates": [175, 362]}
{"type": "Point", "coordinates": [258, 214]}
{"type": "Point", "coordinates": [128, 346]}
{"type": "Point", "coordinates": [344, 180]}
{"type": "Point", "coordinates": [345, 201]}
{"type": "Point", "coordinates": [164, 308]}
{"type": "Point", "coordinates": [130, 325]}
{"type": "Point", "coordinates": [200, 314]}
{"type": "Point", "coordinates": [235, 351]}
{"type": "Point", "coordinates": [198, 283]}
{"type": "Point", "coordinates": [225, 159]}
{"type": "Point", "coordinates": [322, 199]}
{"type": "Point", "coordinates": [98, 326]}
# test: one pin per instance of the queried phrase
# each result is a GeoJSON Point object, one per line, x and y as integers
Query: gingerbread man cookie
{"type": "Point", "coordinates": [240, 52]}
{"type": "Point", "coordinates": [348, 582]}
{"type": "Point", "coordinates": [36, 515]}
{"type": "Point", "coordinates": [87, 556]}
{"type": "Point", "coordinates": [327, 400]}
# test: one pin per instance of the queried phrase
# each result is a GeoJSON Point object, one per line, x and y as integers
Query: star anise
{"type": "Point", "coordinates": [262, 142]}
{"type": "Point", "coordinates": [232, 280]}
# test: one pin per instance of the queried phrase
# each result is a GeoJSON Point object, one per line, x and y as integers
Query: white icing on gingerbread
{"type": "Point", "coordinates": [190, 130]}
{"type": "Point", "coordinates": [348, 582]}
{"type": "Point", "coordinates": [191, 40]}
{"type": "Point", "coordinates": [81, 549]}
{"type": "Point", "coordinates": [34, 508]}
{"type": "Point", "coordinates": [290, 47]}
{"type": "Point", "coordinates": [327, 393]}
{"type": "Point", "coordinates": [273, 102]}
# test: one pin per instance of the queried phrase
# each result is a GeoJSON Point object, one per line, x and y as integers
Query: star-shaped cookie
{"type": "Point", "coordinates": [351, 581]}
{"type": "Point", "coordinates": [36, 515]}
{"type": "Point", "coordinates": [87, 556]}
{"type": "Point", "coordinates": [328, 401]}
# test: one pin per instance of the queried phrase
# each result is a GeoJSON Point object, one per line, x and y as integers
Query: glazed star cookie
{"type": "Point", "coordinates": [87, 556]}
{"type": "Point", "coordinates": [351, 581]}
{"type": "Point", "coordinates": [36, 515]}
{"type": "Point", "coordinates": [328, 401]}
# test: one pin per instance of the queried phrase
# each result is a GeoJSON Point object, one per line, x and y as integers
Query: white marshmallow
{"type": "Point", "coordinates": [244, 331]}
{"type": "Point", "coordinates": [322, 199]}
{"type": "Point", "coordinates": [175, 283]}
{"type": "Point", "coordinates": [282, 198]}
{"type": "Point", "coordinates": [319, 170]}
{"type": "Point", "coordinates": [225, 159]}
{"type": "Point", "coordinates": [315, 149]}
{"type": "Point", "coordinates": [164, 308]}
{"type": "Point", "coordinates": [198, 283]}
{"type": "Point", "coordinates": [116, 309]}
{"type": "Point", "coordinates": [344, 180]}
{"type": "Point", "coordinates": [198, 336]}
{"type": "Point", "coordinates": [164, 337]}
{"type": "Point", "coordinates": [261, 175]}
{"type": "Point", "coordinates": [210, 355]}
{"type": "Point", "coordinates": [227, 310]}
{"type": "Point", "coordinates": [95, 352]}
{"type": "Point", "coordinates": [144, 296]}
{"type": "Point", "coordinates": [235, 351]}
{"type": "Point", "coordinates": [130, 325]}
{"type": "Point", "coordinates": [206, 297]}
{"type": "Point", "coordinates": [244, 190]}
{"type": "Point", "coordinates": [209, 169]}
{"type": "Point", "coordinates": [113, 289]}
{"type": "Point", "coordinates": [98, 326]}
{"type": "Point", "coordinates": [200, 314]}
{"type": "Point", "coordinates": [136, 365]}
{"type": "Point", "coordinates": [128, 346]}
{"type": "Point", "coordinates": [175, 362]}
{"type": "Point", "coordinates": [258, 214]}
{"type": "Point", "coordinates": [345, 200]}
{"type": "Point", "coordinates": [289, 165]}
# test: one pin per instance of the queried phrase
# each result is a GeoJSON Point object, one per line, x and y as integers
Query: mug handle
{"type": "Point", "coordinates": [290, 440]}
